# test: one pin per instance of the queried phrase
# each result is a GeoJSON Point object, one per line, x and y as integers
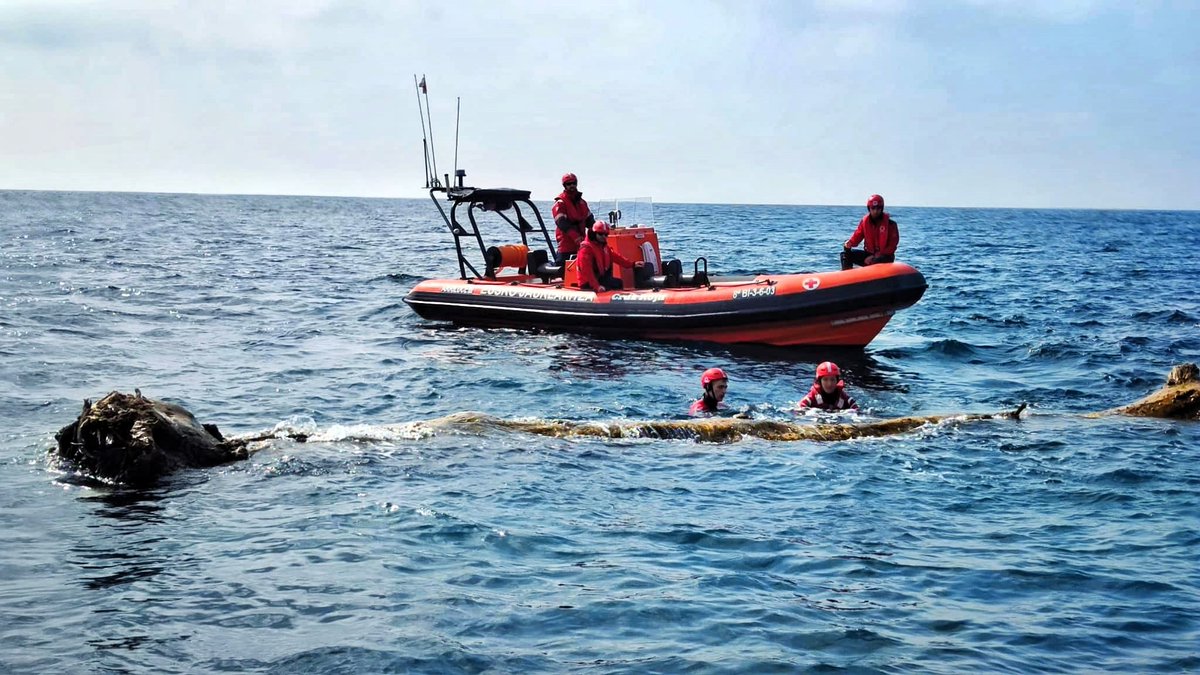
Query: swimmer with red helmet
{"type": "Point", "coordinates": [878, 232]}
{"type": "Point", "coordinates": [715, 383]}
{"type": "Point", "coordinates": [828, 392]}
{"type": "Point", "coordinates": [596, 260]}
{"type": "Point", "coordinates": [571, 217]}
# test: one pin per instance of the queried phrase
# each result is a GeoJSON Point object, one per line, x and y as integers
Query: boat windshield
{"type": "Point", "coordinates": [632, 211]}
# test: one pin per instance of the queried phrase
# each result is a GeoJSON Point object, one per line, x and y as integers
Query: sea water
{"type": "Point", "coordinates": [1055, 543]}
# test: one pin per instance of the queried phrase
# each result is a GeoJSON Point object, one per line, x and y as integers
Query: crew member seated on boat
{"type": "Point", "coordinates": [879, 235]}
{"type": "Point", "coordinates": [596, 260]}
{"type": "Point", "coordinates": [571, 216]}
{"type": "Point", "coordinates": [715, 383]}
{"type": "Point", "coordinates": [828, 392]}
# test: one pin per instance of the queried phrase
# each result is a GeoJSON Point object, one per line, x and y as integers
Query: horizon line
{"type": "Point", "coordinates": [598, 200]}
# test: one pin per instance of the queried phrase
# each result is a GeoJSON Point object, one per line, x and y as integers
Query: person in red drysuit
{"type": "Point", "coordinates": [596, 260]}
{"type": "Point", "coordinates": [878, 232]}
{"type": "Point", "coordinates": [571, 217]}
{"type": "Point", "coordinates": [828, 391]}
{"type": "Point", "coordinates": [716, 384]}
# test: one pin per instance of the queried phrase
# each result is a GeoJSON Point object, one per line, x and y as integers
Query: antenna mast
{"type": "Point", "coordinates": [420, 87]}
{"type": "Point", "coordinates": [432, 146]}
{"type": "Point", "coordinates": [457, 117]}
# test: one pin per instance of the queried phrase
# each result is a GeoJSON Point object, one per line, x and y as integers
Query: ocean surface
{"type": "Point", "coordinates": [1055, 543]}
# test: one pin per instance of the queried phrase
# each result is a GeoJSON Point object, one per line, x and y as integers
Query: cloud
{"type": "Point", "coordinates": [163, 26]}
{"type": "Point", "coordinates": [810, 102]}
{"type": "Point", "coordinates": [871, 7]}
{"type": "Point", "coordinates": [1055, 11]}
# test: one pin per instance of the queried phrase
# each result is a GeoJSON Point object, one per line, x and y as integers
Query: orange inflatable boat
{"type": "Point", "coordinates": [521, 286]}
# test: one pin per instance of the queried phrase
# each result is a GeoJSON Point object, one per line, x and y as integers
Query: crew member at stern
{"type": "Point", "coordinates": [879, 234]}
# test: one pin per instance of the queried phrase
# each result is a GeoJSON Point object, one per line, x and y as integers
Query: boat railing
{"type": "Point", "coordinates": [499, 201]}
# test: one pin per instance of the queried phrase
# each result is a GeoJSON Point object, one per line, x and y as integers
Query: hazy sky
{"type": "Point", "coordinates": [1061, 103]}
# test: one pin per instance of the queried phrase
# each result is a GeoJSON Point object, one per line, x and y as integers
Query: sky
{"type": "Point", "coordinates": [974, 103]}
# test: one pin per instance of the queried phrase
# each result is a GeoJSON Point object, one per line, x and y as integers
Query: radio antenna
{"type": "Point", "coordinates": [457, 117]}
{"type": "Point", "coordinates": [420, 86]}
{"type": "Point", "coordinates": [432, 145]}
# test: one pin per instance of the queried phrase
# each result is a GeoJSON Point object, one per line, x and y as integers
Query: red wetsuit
{"type": "Point", "coordinates": [595, 261]}
{"type": "Point", "coordinates": [838, 400]}
{"type": "Point", "coordinates": [881, 237]}
{"type": "Point", "coordinates": [702, 406]}
{"type": "Point", "coordinates": [576, 213]}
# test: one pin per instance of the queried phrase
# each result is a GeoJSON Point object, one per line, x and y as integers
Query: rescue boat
{"type": "Point", "coordinates": [521, 286]}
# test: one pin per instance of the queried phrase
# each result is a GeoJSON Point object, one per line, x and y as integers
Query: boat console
{"type": "Point", "coordinates": [526, 259]}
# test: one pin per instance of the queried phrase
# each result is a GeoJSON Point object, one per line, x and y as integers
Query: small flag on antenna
{"type": "Point", "coordinates": [424, 90]}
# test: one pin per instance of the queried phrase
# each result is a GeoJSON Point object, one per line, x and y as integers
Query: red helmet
{"type": "Point", "coordinates": [874, 200]}
{"type": "Point", "coordinates": [712, 375]}
{"type": "Point", "coordinates": [600, 227]}
{"type": "Point", "coordinates": [828, 368]}
{"type": "Point", "coordinates": [569, 178]}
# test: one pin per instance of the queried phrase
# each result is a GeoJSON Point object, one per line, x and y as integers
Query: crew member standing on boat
{"type": "Point", "coordinates": [878, 232]}
{"type": "Point", "coordinates": [828, 391]}
{"type": "Point", "coordinates": [596, 260]}
{"type": "Point", "coordinates": [716, 384]}
{"type": "Point", "coordinates": [571, 216]}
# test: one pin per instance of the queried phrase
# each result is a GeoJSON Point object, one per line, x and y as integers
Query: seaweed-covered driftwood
{"type": "Point", "coordinates": [135, 440]}
{"type": "Point", "coordinates": [709, 430]}
{"type": "Point", "coordinates": [1179, 398]}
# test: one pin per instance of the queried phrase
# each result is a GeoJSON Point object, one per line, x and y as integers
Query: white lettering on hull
{"type": "Point", "coordinates": [761, 291]}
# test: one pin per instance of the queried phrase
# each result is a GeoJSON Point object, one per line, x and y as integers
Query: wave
{"type": "Point", "coordinates": [951, 347]}
{"type": "Point", "coordinates": [1057, 350]}
{"type": "Point", "coordinates": [401, 277]}
{"type": "Point", "coordinates": [1174, 316]}
{"type": "Point", "coordinates": [1133, 344]}
{"type": "Point", "coordinates": [384, 310]}
{"type": "Point", "coordinates": [1016, 320]}
{"type": "Point", "coordinates": [1126, 476]}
